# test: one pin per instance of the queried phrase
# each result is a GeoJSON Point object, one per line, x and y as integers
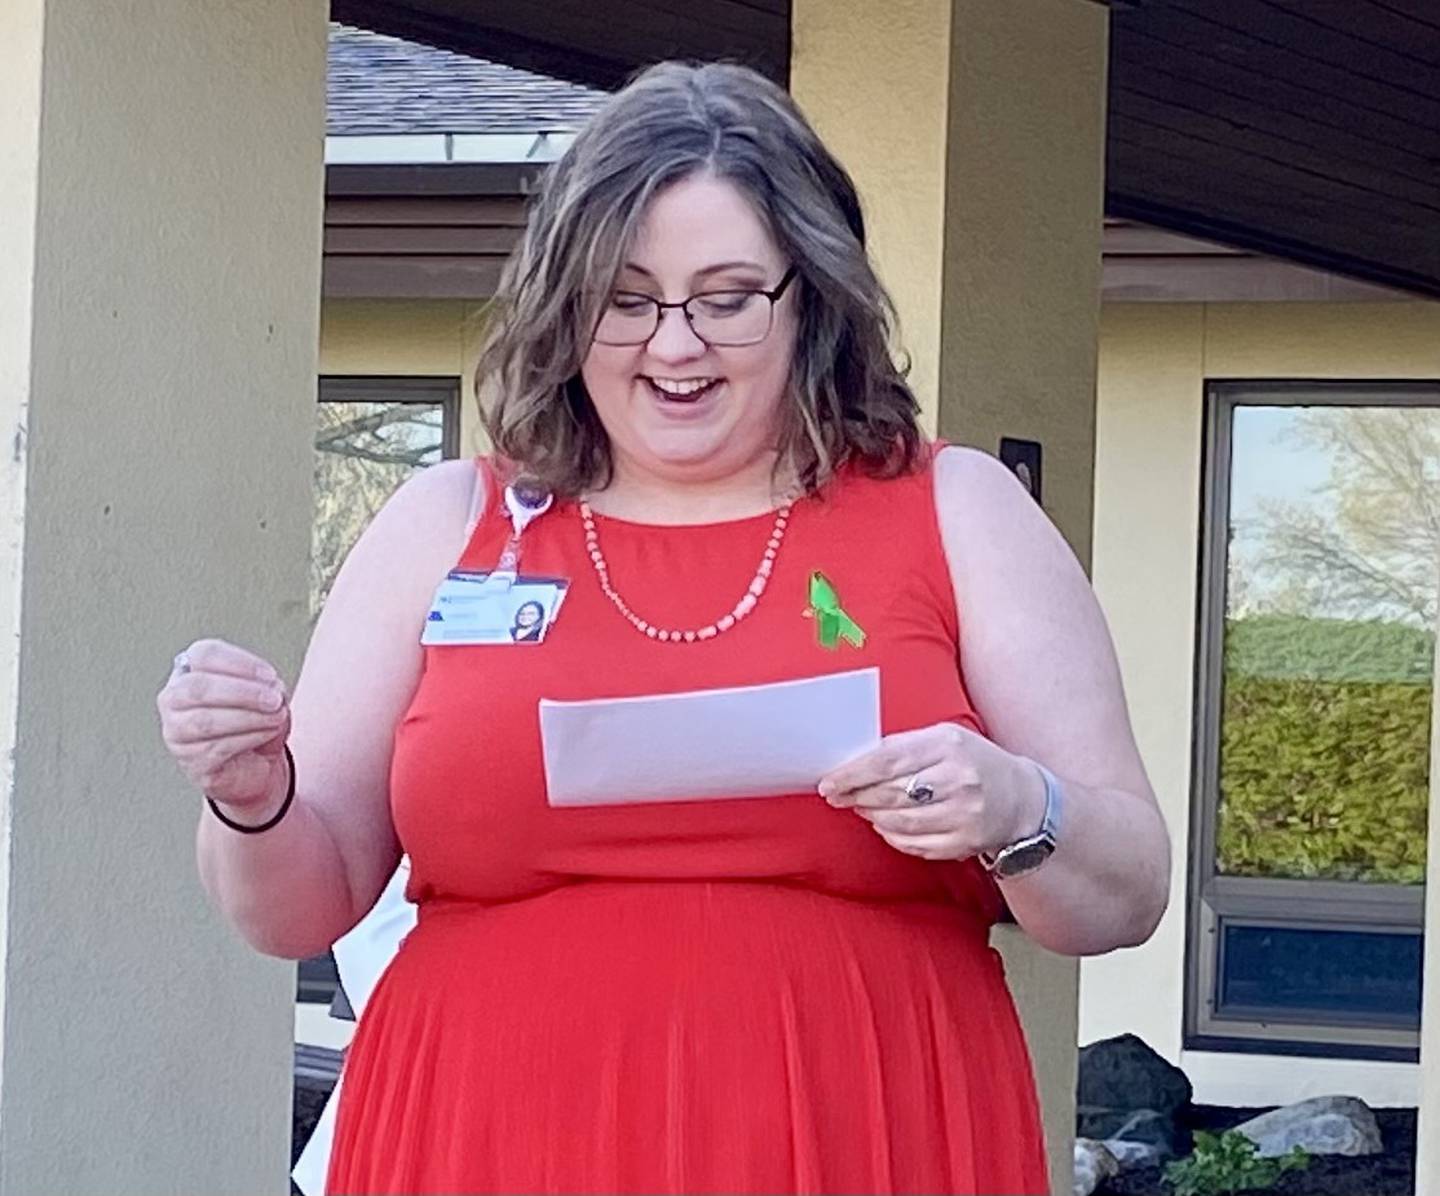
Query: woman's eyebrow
{"type": "Point", "coordinates": [722, 266]}
{"type": "Point", "coordinates": [718, 268]}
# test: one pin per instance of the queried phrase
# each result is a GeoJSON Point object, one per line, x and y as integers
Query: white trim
{"type": "Point", "coordinates": [1230, 278]}
{"type": "Point", "coordinates": [1256, 1081]}
{"type": "Point", "coordinates": [314, 1025]}
{"type": "Point", "coordinates": [387, 149]}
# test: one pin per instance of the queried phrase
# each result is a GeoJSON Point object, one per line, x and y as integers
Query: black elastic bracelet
{"type": "Point", "coordinates": [270, 822]}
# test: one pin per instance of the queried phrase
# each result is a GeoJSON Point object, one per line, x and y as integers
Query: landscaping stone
{"type": "Point", "coordinates": [1099, 1122]}
{"type": "Point", "coordinates": [1094, 1164]}
{"type": "Point", "coordinates": [1324, 1125]}
{"type": "Point", "coordinates": [1130, 1155]}
{"type": "Point", "coordinates": [1389, 1174]}
{"type": "Point", "coordinates": [1149, 1128]}
{"type": "Point", "coordinates": [1124, 1073]}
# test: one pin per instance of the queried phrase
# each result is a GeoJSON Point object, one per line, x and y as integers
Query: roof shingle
{"type": "Point", "coordinates": [382, 85]}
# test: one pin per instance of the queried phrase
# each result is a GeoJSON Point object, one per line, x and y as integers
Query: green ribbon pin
{"type": "Point", "coordinates": [832, 624]}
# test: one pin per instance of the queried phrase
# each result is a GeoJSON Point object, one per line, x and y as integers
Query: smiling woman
{"type": "Point", "coordinates": [707, 452]}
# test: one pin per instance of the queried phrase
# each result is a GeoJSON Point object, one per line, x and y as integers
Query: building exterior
{"type": "Point", "coordinates": [115, 507]}
{"type": "Point", "coordinates": [1184, 324]}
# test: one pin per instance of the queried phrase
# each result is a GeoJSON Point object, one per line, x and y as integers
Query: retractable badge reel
{"type": "Point", "coordinates": [524, 503]}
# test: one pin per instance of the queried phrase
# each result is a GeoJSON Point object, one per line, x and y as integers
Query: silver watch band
{"type": "Point", "coordinates": [1027, 854]}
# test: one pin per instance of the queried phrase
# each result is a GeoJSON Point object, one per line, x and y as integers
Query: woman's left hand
{"type": "Point", "coordinates": [983, 797]}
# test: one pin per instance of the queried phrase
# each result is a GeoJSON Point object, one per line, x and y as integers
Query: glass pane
{"type": "Point", "coordinates": [1329, 643]}
{"type": "Point", "coordinates": [363, 451]}
{"type": "Point", "coordinates": [1329, 975]}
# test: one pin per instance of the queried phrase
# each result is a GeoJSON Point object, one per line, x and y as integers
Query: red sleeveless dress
{"type": "Point", "coordinates": [748, 996]}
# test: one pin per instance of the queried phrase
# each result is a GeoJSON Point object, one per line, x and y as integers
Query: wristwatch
{"type": "Point", "coordinates": [1025, 855]}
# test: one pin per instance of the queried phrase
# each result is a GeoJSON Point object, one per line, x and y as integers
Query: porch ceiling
{"type": "Point", "coordinates": [1304, 129]}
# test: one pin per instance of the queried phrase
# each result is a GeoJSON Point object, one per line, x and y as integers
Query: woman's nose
{"type": "Point", "coordinates": [674, 339]}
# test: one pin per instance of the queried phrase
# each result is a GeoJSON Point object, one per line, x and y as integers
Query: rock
{"type": "Point", "coordinates": [1336, 1125]}
{"type": "Point", "coordinates": [1130, 1156]}
{"type": "Point", "coordinates": [1134, 1125]}
{"type": "Point", "coordinates": [1098, 1122]}
{"type": "Point", "coordinates": [1124, 1073]}
{"type": "Point", "coordinates": [1149, 1128]}
{"type": "Point", "coordinates": [1094, 1164]}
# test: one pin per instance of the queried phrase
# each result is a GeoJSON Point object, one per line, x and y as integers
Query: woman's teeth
{"type": "Point", "coordinates": [682, 390]}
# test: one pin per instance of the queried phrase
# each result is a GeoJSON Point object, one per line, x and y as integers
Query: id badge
{"type": "Point", "coordinates": [467, 611]}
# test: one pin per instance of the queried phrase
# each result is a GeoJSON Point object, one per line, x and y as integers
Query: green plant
{"type": "Point", "coordinates": [1226, 1163]}
{"type": "Point", "coordinates": [1325, 750]}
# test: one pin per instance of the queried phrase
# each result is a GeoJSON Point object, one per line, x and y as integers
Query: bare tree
{"type": "Point", "coordinates": [1372, 548]}
{"type": "Point", "coordinates": [363, 452]}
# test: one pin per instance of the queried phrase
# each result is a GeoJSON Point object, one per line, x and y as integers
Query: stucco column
{"type": "Point", "coordinates": [975, 130]}
{"type": "Point", "coordinates": [160, 215]}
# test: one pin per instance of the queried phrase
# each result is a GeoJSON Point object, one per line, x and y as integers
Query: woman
{"type": "Point", "coordinates": [784, 994]}
{"type": "Point", "coordinates": [529, 623]}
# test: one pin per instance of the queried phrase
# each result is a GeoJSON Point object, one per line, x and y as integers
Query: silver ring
{"type": "Point", "coordinates": [919, 792]}
{"type": "Point", "coordinates": [182, 664]}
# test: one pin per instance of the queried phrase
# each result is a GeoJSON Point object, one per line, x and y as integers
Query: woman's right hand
{"type": "Point", "coordinates": [225, 716]}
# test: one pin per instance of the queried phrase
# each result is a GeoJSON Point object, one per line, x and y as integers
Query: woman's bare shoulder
{"type": "Point", "coordinates": [441, 490]}
{"type": "Point", "coordinates": [419, 533]}
{"type": "Point", "coordinates": [435, 507]}
{"type": "Point", "coordinates": [959, 469]}
{"type": "Point", "coordinates": [975, 490]}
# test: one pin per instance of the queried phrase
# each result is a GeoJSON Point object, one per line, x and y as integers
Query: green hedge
{"type": "Point", "coordinates": [1328, 649]}
{"type": "Point", "coordinates": [1323, 778]}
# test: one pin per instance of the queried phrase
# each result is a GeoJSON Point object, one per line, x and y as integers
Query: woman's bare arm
{"type": "Point", "coordinates": [295, 889]}
{"type": "Point", "coordinates": [1040, 666]}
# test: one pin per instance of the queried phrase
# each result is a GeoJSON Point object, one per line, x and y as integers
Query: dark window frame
{"type": "Point", "coordinates": [1214, 901]}
{"type": "Point", "coordinates": [316, 980]}
{"type": "Point", "coordinates": [426, 389]}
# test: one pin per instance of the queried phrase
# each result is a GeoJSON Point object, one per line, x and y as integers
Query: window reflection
{"type": "Point", "coordinates": [1329, 642]}
{"type": "Point", "coordinates": [363, 452]}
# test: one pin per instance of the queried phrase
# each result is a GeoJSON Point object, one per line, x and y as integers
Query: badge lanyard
{"type": "Point", "coordinates": [524, 504]}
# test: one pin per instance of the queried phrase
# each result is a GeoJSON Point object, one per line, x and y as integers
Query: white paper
{"type": "Point", "coordinates": [755, 741]}
{"type": "Point", "coordinates": [362, 955]}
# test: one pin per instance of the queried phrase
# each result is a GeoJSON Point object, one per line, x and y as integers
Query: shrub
{"type": "Point", "coordinates": [1324, 753]}
{"type": "Point", "coordinates": [1227, 1163]}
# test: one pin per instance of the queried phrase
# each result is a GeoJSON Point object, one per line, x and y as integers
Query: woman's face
{"type": "Point", "coordinates": [527, 616]}
{"type": "Point", "coordinates": [676, 408]}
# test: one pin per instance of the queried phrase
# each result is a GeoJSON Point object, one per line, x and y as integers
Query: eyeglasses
{"type": "Point", "coordinates": [722, 319]}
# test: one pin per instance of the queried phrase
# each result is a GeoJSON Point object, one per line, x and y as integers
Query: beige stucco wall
{"type": "Point", "coordinates": [881, 101]}
{"type": "Point", "coordinates": [160, 215]}
{"type": "Point", "coordinates": [1154, 360]}
{"type": "Point", "coordinates": [437, 337]}
{"type": "Point", "coordinates": [1023, 216]}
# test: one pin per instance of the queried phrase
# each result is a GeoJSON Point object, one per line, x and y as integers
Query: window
{"type": "Point", "coordinates": [1320, 572]}
{"type": "Point", "coordinates": [370, 435]}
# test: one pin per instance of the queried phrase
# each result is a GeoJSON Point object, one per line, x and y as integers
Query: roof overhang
{"type": "Point", "coordinates": [599, 45]}
{"type": "Point", "coordinates": [1301, 131]}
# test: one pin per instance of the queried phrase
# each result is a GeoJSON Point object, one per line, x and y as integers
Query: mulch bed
{"type": "Point", "coordinates": [1388, 1174]}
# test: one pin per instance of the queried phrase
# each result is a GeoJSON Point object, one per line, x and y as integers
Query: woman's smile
{"type": "Point", "coordinates": [684, 399]}
{"type": "Point", "coordinates": [681, 390]}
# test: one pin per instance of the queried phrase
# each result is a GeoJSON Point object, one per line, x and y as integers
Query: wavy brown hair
{"type": "Point", "coordinates": [849, 398]}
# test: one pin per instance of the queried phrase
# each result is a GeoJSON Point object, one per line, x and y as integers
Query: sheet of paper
{"type": "Point", "coordinates": [756, 741]}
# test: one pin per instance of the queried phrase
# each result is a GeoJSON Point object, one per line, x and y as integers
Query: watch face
{"type": "Point", "coordinates": [1024, 857]}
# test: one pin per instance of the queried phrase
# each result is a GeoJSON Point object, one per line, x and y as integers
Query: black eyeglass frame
{"type": "Point", "coordinates": [661, 307]}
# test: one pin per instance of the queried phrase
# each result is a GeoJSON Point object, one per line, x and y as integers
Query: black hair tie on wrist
{"type": "Point", "coordinates": [274, 820]}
